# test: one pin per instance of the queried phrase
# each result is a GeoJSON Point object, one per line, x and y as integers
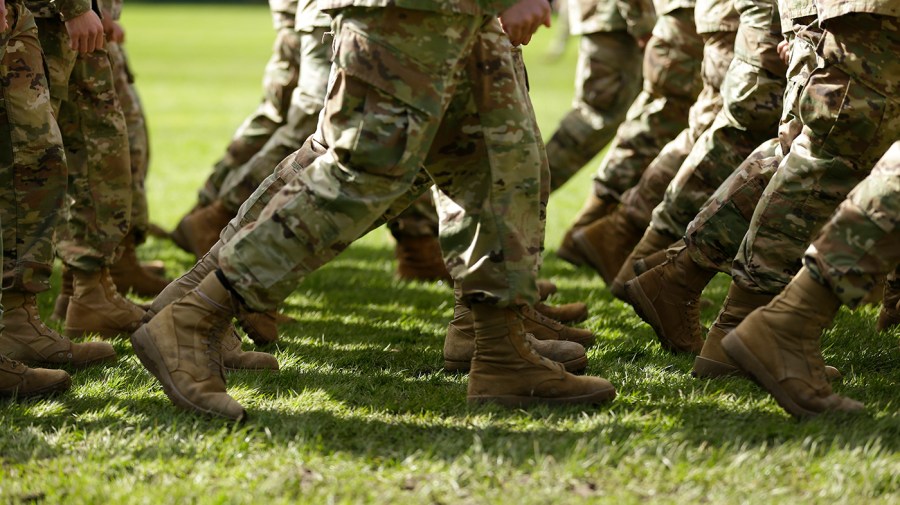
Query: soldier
{"type": "Point", "coordinates": [33, 173]}
{"type": "Point", "coordinates": [604, 241]}
{"type": "Point", "coordinates": [613, 34]}
{"type": "Point", "coordinates": [779, 344]}
{"type": "Point", "coordinates": [406, 84]}
{"type": "Point", "coordinates": [847, 112]}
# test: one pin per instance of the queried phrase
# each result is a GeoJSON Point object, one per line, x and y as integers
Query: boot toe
{"type": "Point", "coordinates": [44, 381]}
{"type": "Point", "coordinates": [88, 353]}
{"type": "Point", "coordinates": [252, 360]}
{"type": "Point", "coordinates": [259, 326]}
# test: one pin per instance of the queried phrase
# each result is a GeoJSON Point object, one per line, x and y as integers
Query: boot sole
{"type": "Point", "coordinates": [575, 366]}
{"type": "Point", "coordinates": [56, 387]}
{"type": "Point", "coordinates": [747, 361]}
{"type": "Point", "coordinates": [645, 310]}
{"type": "Point", "coordinates": [705, 368]}
{"type": "Point", "coordinates": [150, 356]}
{"type": "Point", "coordinates": [595, 398]}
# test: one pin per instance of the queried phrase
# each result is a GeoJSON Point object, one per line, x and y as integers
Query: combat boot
{"type": "Point", "coordinates": [575, 312]}
{"type": "Point", "coordinates": [459, 345]}
{"type": "Point", "coordinates": [779, 346]}
{"type": "Point", "coordinates": [652, 242]}
{"type": "Point", "coordinates": [234, 358]}
{"type": "Point", "coordinates": [889, 316]}
{"type": "Point", "coordinates": [668, 299]}
{"type": "Point", "coordinates": [180, 234]}
{"type": "Point", "coordinates": [647, 262]}
{"type": "Point", "coordinates": [27, 339]}
{"type": "Point", "coordinates": [18, 380]}
{"type": "Point", "coordinates": [506, 369]}
{"type": "Point", "coordinates": [545, 328]}
{"type": "Point", "coordinates": [61, 305]}
{"type": "Point", "coordinates": [606, 243]}
{"type": "Point", "coordinates": [97, 307]}
{"type": "Point", "coordinates": [545, 289]}
{"type": "Point", "coordinates": [130, 275]}
{"type": "Point", "coordinates": [202, 227]}
{"type": "Point", "coordinates": [420, 258]}
{"type": "Point", "coordinates": [182, 347]}
{"type": "Point", "coordinates": [594, 209]}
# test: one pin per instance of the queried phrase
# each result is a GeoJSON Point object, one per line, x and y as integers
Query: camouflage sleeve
{"type": "Point", "coordinates": [70, 9]}
{"type": "Point", "coordinates": [639, 15]}
{"type": "Point", "coordinates": [497, 6]}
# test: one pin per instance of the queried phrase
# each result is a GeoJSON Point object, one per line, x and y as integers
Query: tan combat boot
{"type": "Point", "coordinates": [27, 339]}
{"type": "Point", "coordinates": [650, 261]}
{"type": "Point", "coordinates": [419, 258]}
{"type": "Point", "coordinates": [459, 345]}
{"type": "Point", "coordinates": [233, 358]}
{"type": "Point", "coordinates": [652, 242]}
{"type": "Point", "coordinates": [97, 307]}
{"type": "Point", "coordinates": [202, 227]}
{"type": "Point", "coordinates": [180, 234]}
{"type": "Point", "coordinates": [575, 312]}
{"type": "Point", "coordinates": [594, 209]}
{"type": "Point", "coordinates": [545, 289]}
{"type": "Point", "coordinates": [61, 305]}
{"type": "Point", "coordinates": [778, 344]}
{"type": "Point", "coordinates": [130, 275]}
{"type": "Point", "coordinates": [182, 347]}
{"type": "Point", "coordinates": [889, 316]}
{"type": "Point", "coordinates": [668, 299]}
{"type": "Point", "coordinates": [545, 328]}
{"type": "Point", "coordinates": [606, 243]}
{"type": "Point", "coordinates": [506, 370]}
{"type": "Point", "coordinates": [18, 380]}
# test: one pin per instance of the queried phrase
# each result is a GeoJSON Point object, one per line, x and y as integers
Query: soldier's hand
{"type": "Point", "coordinates": [524, 18]}
{"type": "Point", "coordinates": [3, 24]}
{"type": "Point", "coordinates": [115, 33]}
{"type": "Point", "coordinates": [85, 32]}
{"type": "Point", "coordinates": [784, 51]}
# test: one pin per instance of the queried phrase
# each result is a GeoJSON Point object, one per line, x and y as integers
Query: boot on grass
{"type": "Point", "coordinates": [130, 275]}
{"type": "Point", "coordinates": [668, 299]}
{"type": "Point", "coordinates": [506, 370]}
{"type": "Point", "coordinates": [594, 209]}
{"type": "Point", "coordinates": [545, 328]}
{"type": "Point", "coordinates": [234, 358]}
{"type": "Point", "coordinates": [651, 243]}
{"type": "Point", "coordinates": [419, 258]}
{"type": "Point", "coordinates": [575, 312]}
{"type": "Point", "coordinates": [182, 347]}
{"type": "Point", "coordinates": [605, 244]}
{"type": "Point", "coordinates": [546, 289]}
{"type": "Point", "coordinates": [889, 316]}
{"type": "Point", "coordinates": [18, 380]}
{"type": "Point", "coordinates": [779, 346]}
{"type": "Point", "coordinates": [201, 228]}
{"type": "Point", "coordinates": [27, 339]}
{"type": "Point", "coordinates": [96, 307]}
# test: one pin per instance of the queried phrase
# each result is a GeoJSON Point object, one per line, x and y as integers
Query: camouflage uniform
{"type": "Point", "coordinates": [402, 97]}
{"type": "Point", "coordinates": [307, 98]}
{"type": "Point", "coordinates": [850, 114]}
{"type": "Point", "coordinates": [33, 168]}
{"type": "Point", "coordinates": [752, 94]}
{"type": "Point", "coordinates": [138, 139]}
{"type": "Point", "coordinates": [671, 83]}
{"type": "Point", "coordinates": [279, 79]}
{"type": "Point", "coordinates": [717, 23]}
{"type": "Point", "coordinates": [607, 81]}
{"type": "Point", "coordinates": [861, 242]}
{"type": "Point", "coordinates": [713, 237]}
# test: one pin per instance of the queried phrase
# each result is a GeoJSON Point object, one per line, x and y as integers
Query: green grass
{"type": "Point", "coordinates": [361, 411]}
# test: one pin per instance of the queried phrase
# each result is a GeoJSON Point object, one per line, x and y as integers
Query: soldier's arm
{"type": "Point", "coordinates": [522, 19]}
{"type": "Point", "coordinates": [85, 32]}
{"type": "Point", "coordinates": [640, 16]}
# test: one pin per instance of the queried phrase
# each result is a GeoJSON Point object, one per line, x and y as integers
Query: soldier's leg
{"type": "Point", "coordinates": [608, 80]}
{"type": "Point", "coordinates": [33, 181]}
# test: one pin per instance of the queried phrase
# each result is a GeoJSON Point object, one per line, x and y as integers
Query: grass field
{"type": "Point", "coordinates": [361, 411]}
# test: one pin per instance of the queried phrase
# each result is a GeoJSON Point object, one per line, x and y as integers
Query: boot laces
{"type": "Point", "coordinates": [43, 329]}
{"type": "Point", "coordinates": [9, 364]}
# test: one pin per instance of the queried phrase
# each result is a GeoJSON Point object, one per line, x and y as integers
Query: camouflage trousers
{"type": "Point", "coordinates": [851, 114]}
{"type": "Point", "coordinates": [714, 236]}
{"type": "Point", "coordinates": [306, 101]}
{"type": "Point", "coordinates": [639, 201]}
{"type": "Point", "coordinates": [608, 80]}
{"type": "Point", "coordinates": [752, 94]}
{"type": "Point", "coordinates": [279, 80]}
{"type": "Point", "coordinates": [861, 242]}
{"type": "Point", "coordinates": [672, 82]}
{"type": "Point", "coordinates": [138, 139]}
{"type": "Point", "coordinates": [453, 104]}
{"type": "Point", "coordinates": [32, 160]}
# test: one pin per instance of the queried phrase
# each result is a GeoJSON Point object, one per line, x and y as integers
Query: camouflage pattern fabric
{"type": "Point", "coordinates": [32, 160]}
{"type": "Point", "coordinates": [636, 17]}
{"type": "Point", "coordinates": [714, 236]}
{"type": "Point", "coordinates": [752, 95]}
{"type": "Point", "coordinates": [608, 80]}
{"type": "Point", "coordinates": [419, 220]}
{"type": "Point", "coordinates": [714, 16]}
{"type": "Point", "coordinates": [851, 115]}
{"type": "Point", "coordinates": [638, 202]}
{"type": "Point", "coordinates": [307, 98]}
{"type": "Point", "coordinates": [455, 97]}
{"type": "Point", "coordinates": [672, 82]}
{"type": "Point", "coordinates": [861, 242]}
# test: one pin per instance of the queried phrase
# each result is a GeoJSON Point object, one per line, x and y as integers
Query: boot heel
{"type": "Point", "coordinates": [705, 368]}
